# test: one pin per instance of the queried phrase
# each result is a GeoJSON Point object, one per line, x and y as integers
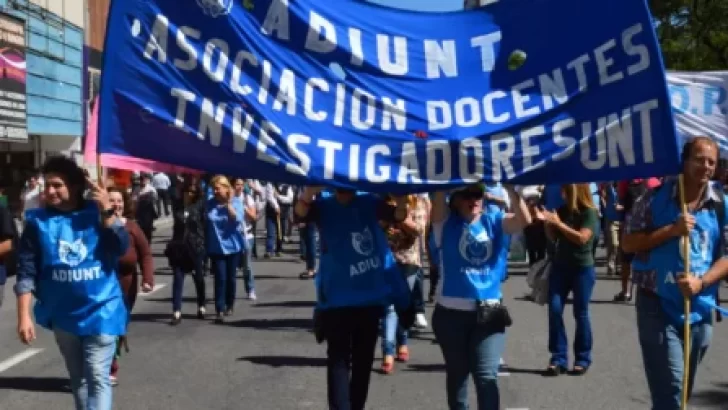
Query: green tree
{"type": "Point", "coordinates": [693, 33]}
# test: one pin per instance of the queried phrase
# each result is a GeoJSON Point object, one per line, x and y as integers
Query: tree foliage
{"type": "Point", "coordinates": [693, 33]}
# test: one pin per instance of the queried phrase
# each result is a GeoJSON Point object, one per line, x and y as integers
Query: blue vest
{"type": "Point", "coordinates": [76, 288]}
{"type": "Point", "coordinates": [357, 267]}
{"type": "Point", "coordinates": [472, 256]}
{"type": "Point", "coordinates": [666, 260]}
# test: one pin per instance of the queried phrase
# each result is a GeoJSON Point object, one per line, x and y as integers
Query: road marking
{"type": "Point", "coordinates": [24, 355]}
{"type": "Point", "coordinates": [156, 288]}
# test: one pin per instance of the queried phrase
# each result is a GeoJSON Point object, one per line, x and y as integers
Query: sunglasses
{"type": "Point", "coordinates": [472, 195]}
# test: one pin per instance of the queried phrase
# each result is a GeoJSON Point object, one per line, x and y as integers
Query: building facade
{"type": "Point", "coordinates": [98, 11]}
{"type": "Point", "coordinates": [48, 74]}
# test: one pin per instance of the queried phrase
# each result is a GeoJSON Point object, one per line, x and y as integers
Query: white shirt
{"type": "Point", "coordinates": [31, 198]}
{"type": "Point", "coordinates": [161, 181]}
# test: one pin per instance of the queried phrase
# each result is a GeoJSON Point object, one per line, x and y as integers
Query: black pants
{"type": "Point", "coordinates": [351, 335]}
{"type": "Point", "coordinates": [434, 279]}
{"type": "Point", "coordinates": [162, 202]}
{"type": "Point", "coordinates": [535, 242]}
{"type": "Point", "coordinates": [147, 228]}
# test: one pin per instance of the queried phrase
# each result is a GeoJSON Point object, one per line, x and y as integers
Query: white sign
{"type": "Point", "coordinates": [700, 101]}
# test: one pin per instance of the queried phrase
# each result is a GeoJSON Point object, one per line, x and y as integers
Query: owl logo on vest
{"type": "Point", "coordinates": [363, 242]}
{"type": "Point", "coordinates": [215, 8]}
{"type": "Point", "coordinates": [476, 249]}
{"type": "Point", "coordinates": [72, 254]}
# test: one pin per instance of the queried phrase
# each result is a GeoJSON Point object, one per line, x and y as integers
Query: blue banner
{"type": "Point", "coordinates": [351, 94]}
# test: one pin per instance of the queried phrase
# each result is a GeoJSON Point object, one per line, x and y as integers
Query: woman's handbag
{"type": "Point", "coordinates": [538, 280]}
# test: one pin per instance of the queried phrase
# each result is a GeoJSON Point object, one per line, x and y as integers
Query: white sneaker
{"type": "Point", "coordinates": [114, 381]}
{"type": "Point", "coordinates": [252, 296]}
{"type": "Point", "coordinates": [420, 321]}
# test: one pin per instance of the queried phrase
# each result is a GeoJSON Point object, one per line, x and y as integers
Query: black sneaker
{"type": "Point", "coordinates": [622, 297]}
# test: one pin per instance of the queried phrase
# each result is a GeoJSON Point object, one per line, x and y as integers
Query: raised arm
{"type": "Point", "coordinates": [520, 217]}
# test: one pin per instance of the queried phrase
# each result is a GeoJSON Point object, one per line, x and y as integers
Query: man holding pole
{"type": "Point", "coordinates": [688, 210]}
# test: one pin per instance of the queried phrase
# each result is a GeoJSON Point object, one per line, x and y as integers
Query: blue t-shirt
{"type": "Point", "coordinates": [224, 235]}
{"type": "Point", "coordinates": [611, 212]}
{"type": "Point", "coordinates": [472, 260]}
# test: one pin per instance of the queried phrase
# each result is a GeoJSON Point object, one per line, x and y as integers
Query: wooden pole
{"type": "Point", "coordinates": [686, 303]}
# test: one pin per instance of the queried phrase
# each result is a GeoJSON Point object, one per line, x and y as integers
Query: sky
{"type": "Point", "coordinates": [422, 5]}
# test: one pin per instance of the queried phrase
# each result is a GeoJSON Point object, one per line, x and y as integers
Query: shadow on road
{"type": "Point", "coordinates": [36, 384]}
{"type": "Point", "coordinates": [713, 398]}
{"type": "Point", "coordinates": [516, 370]}
{"type": "Point", "coordinates": [277, 277]}
{"type": "Point", "coordinates": [273, 324]}
{"type": "Point", "coordinates": [285, 361]}
{"type": "Point", "coordinates": [163, 317]}
{"type": "Point", "coordinates": [288, 303]}
{"type": "Point", "coordinates": [432, 367]}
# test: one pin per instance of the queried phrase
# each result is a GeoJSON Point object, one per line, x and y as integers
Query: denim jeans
{"type": "Point", "coordinates": [469, 348]}
{"type": "Point", "coordinates": [393, 335]}
{"type": "Point", "coordinates": [225, 269]}
{"type": "Point", "coordinates": [562, 281]}
{"type": "Point", "coordinates": [418, 291]}
{"type": "Point", "coordinates": [662, 352]}
{"type": "Point", "coordinates": [351, 336]}
{"type": "Point", "coordinates": [271, 232]}
{"type": "Point", "coordinates": [309, 246]}
{"type": "Point", "coordinates": [178, 284]}
{"type": "Point", "coordinates": [246, 261]}
{"type": "Point", "coordinates": [88, 361]}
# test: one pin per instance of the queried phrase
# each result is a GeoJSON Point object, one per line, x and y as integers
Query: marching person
{"type": "Point", "coordinates": [272, 224]}
{"type": "Point", "coordinates": [405, 240]}
{"type": "Point", "coordinates": [613, 217]}
{"type": "Point", "coordinates": [244, 195]}
{"type": "Point", "coordinates": [144, 201]}
{"type": "Point", "coordinates": [628, 193]}
{"type": "Point", "coordinates": [67, 258]}
{"type": "Point", "coordinates": [356, 280]}
{"type": "Point", "coordinates": [469, 319]}
{"type": "Point", "coordinates": [654, 234]}
{"type": "Point", "coordinates": [139, 254]}
{"type": "Point", "coordinates": [186, 251]}
{"type": "Point", "coordinates": [225, 241]}
{"type": "Point", "coordinates": [573, 228]}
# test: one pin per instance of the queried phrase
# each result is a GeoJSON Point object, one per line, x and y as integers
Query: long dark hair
{"type": "Point", "coordinates": [128, 203]}
{"type": "Point", "coordinates": [195, 186]}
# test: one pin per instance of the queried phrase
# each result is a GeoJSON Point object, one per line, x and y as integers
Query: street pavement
{"type": "Point", "coordinates": [265, 357]}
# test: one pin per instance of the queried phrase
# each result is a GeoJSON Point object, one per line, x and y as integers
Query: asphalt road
{"type": "Point", "coordinates": [265, 357]}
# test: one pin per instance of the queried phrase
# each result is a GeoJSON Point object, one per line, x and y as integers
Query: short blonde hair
{"type": "Point", "coordinates": [221, 180]}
